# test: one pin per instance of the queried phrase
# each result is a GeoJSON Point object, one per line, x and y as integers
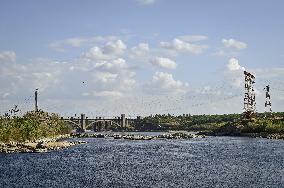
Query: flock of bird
{"type": "Point", "coordinates": [143, 105]}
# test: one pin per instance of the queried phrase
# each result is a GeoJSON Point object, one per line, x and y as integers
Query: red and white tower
{"type": "Point", "coordinates": [249, 99]}
{"type": "Point", "coordinates": [267, 96]}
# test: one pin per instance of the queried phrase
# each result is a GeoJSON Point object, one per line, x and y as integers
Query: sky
{"type": "Point", "coordinates": [140, 57]}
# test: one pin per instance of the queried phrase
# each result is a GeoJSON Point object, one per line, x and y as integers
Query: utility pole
{"type": "Point", "coordinates": [36, 106]}
{"type": "Point", "coordinates": [249, 99]}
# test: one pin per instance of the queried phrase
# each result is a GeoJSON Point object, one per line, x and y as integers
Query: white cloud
{"type": "Point", "coordinates": [165, 82]}
{"type": "Point", "coordinates": [182, 46]}
{"type": "Point", "coordinates": [114, 47]}
{"type": "Point", "coordinates": [140, 50]}
{"type": "Point", "coordinates": [106, 77]}
{"type": "Point", "coordinates": [22, 78]}
{"type": "Point", "coordinates": [7, 56]}
{"type": "Point", "coordinates": [112, 66]}
{"type": "Point", "coordinates": [193, 38]}
{"type": "Point", "coordinates": [96, 53]}
{"type": "Point", "coordinates": [78, 80]}
{"type": "Point", "coordinates": [234, 73]}
{"type": "Point", "coordinates": [163, 62]}
{"type": "Point", "coordinates": [110, 50]}
{"type": "Point", "coordinates": [113, 75]}
{"type": "Point", "coordinates": [146, 2]}
{"type": "Point", "coordinates": [62, 45]}
{"type": "Point", "coordinates": [232, 43]}
{"type": "Point", "coordinates": [234, 65]}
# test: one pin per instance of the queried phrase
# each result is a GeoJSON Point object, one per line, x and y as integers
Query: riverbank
{"type": "Point", "coordinates": [60, 142]}
{"type": "Point", "coordinates": [39, 146]}
{"type": "Point", "coordinates": [276, 136]}
{"type": "Point", "coordinates": [137, 136]}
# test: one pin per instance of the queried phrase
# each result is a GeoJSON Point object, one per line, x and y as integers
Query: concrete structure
{"type": "Point", "coordinates": [123, 120]}
{"type": "Point", "coordinates": [83, 122]}
{"type": "Point", "coordinates": [99, 124]}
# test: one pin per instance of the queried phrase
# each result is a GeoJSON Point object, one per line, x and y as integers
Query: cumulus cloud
{"type": "Point", "coordinates": [15, 78]}
{"type": "Point", "coordinates": [114, 47]}
{"type": "Point", "coordinates": [7, 56]}
{"type": "Point", "coordinates": [96, 53]}
{"type": "Point", "coordinates": [163, 62]}
{"type": "Point", "coordinates": [114, 75]}
{"type": "Point", "coordinates": [67, 80]}
{"type": "Point", "coordinates": [146, 2]}
{"type": "Point", "coordinates": [232, 43]}
{"type": "Point", "coordinates": [110, 50]}
{"type": "Point", "coordinates": [106, 77]}
{"type": "Point", "coordinates": [234, 73]}
{"type": "Point", "coordinates": [233, 65]}
{"type": "Point", "coordinates": [112, 66]}
{"type": "Point", "coordinates": [140, 50]}
{"type": "Point", "coordinates": [165, 82]}
{"type": "Point", "coordinates": [179, 45]}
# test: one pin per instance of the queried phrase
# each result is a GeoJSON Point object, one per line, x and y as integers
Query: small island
{"type": "Point", "coordinates": [39, 131]}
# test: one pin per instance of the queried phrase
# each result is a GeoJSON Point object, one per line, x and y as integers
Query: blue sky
{"type": "Point", "coordinates": [140, 57]}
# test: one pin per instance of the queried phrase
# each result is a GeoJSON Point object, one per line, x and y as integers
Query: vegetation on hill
{"type": "Point", "coordinates": [35, 125]}
{"type": "Point", "coordinates": [263, 122]}
{"type": "Point", "coordinates": [31, 126]}
{"type": "Point", "coordinates": [260, 125]}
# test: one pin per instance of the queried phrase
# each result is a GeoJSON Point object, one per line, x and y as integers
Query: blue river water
{"type": "Point", "coordinates": [198, 162]}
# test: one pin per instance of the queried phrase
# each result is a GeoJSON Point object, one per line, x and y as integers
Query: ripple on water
{"type": "Point", "coordinates": [208, 162]}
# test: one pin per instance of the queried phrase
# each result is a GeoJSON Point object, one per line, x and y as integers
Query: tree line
{"type": "Point", "coordinates": [189, 122]}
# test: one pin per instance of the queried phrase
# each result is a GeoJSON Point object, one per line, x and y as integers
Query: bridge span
{"type": "Point", "coordinates": [100, 123]}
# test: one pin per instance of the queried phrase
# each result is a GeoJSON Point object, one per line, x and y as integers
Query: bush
{"type": "Point", "coordinates": [32, 126]}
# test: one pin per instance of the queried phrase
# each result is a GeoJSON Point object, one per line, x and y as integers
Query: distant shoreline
{"type": "Point", "coordinates": [59, 142]}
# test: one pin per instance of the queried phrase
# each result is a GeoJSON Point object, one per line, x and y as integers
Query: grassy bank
{"type": "Point", "coordinates": [255, 126]}
{"type": "Point", "coordinates": [263, 122]}
{"type": "Point", "coordinates": [31, 126]}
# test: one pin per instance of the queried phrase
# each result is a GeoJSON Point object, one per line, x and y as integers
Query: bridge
{"type": "Point", "coordinates": [99, 124]}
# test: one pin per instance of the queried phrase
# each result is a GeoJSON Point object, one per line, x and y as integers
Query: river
{"type": "Point", "coordinates": [198, 162]}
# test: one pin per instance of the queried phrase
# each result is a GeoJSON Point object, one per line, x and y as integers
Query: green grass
{"type": "Point", "coordinates": [31, 126]}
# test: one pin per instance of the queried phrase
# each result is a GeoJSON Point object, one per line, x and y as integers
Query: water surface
{"type": "Point", "coordinates": [200, 162]}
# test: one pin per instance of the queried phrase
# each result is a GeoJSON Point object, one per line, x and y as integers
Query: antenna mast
{"type": "Point", "coordinates": [267, 102]}
{"type": "Point", "coordinates": [249, 99]}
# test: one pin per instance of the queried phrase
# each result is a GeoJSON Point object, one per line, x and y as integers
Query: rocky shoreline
{"type": "Point", "coordinates": [275, 136]}
{"type": "Point", "coordinates": [177, 135]}
{"type": "Point", "coordinates": [39, 146]}
{"type": "Point", "coordinates": [59, 142]}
